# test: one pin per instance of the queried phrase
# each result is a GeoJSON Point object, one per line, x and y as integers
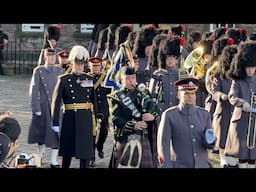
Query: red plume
{"type": "Point", "coordinates": [59, 27]}
{"type": "Point", "coordinates": [212, 40]}
{"type": "Point", "coordinates": [240, 31]}
{"type": "Point", "coordinates": [231, 41]}
{"type": "Point", "coordinates": [130, 26]}
{"type": "Point", "coordinates": [182, 28]}
{"type": "Point", "coordinates": [182, 41]}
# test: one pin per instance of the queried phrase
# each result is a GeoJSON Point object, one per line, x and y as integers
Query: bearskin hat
{"type": "Point", "coordinates": [121, 34]}
{"type": "Point", "coordinates": [102, 41]}
{"type": "Point", "coordinates": [219, 32]}
{"type": "Point", "coordinates": [234, 34]}
{"type": "Point", "coordinates": [131, 39]}
{"type": "Point", "coordinates": [219, 45]}
{"type": "Point", "coordinates": [168, 47]}
{"type": "Point", "coordinates": [252, 36]}
{"type": "Point", "coordinates": [152, 61]}
{"type": "Point", "coordinates": [144, 38]}
{"type": "Point", "coordinates": [226, 58]}
{"type": "Point", "coordinates": [195, 36]}
{"type": "Point", "coordinates": [111, 36]}
{"type": "Point", "coordinates": [52, 32]}
{"type": "Point", "coordinates": [207, 35]}
{"type": "Point", "coordinates": [245, 57]}
{"type": "Point", "coordinates": [178, 30]}
{"type": "Point", "coordinates": [207, 46]}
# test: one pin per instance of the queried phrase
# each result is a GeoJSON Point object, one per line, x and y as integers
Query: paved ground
{"type": "Point", "coordinates": [14, 97]}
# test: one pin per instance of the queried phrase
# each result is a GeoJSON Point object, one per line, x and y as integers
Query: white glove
{"type": "Point", "coordinates": [38, 113]}
{"type": "Point", "coordinates": [56, 129]}
{"type": "Point", "coordinates": [246, 107]}
{"type": "Point", "coordinates": [224, 97]}
{"type": "Point", "coordinates": [210, 136]}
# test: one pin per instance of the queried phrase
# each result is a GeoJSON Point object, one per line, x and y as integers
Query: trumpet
{"type": "Point", "coordinates": [195, 61]}
{"type": "Point", "coordinates": [251, 132]}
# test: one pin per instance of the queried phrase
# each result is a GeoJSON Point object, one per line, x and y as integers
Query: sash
{"type": "Point", "coordinates": [126, 100]}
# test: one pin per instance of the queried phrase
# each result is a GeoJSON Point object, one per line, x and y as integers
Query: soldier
{"type": "Point", "coordinates": [95, 65]}
{"type": "Point", "coordinates": [76, 91]}
{"type": "Point", "coordinates": [51, 37]}
{"type": "Point", "coordinates": [185, 131]}
{"type": "Point", "coordinates": [42, 84]}
{"type": "Point", "coordinates": [240, 141]}
{"type": "Point", "coordinates": [134, 113]}
{"type": "Point", "coordinates": [64, 62]}
{"type": "Point", "coordinates": [162, 82]}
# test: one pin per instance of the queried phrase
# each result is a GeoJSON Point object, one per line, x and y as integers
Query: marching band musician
{"type": "Point", "coordinates": [166, 75]}
{"type": "Point", "coordinates": [241, 96]}
{"type": "Point", "coordinates": [76, 91]}
{"type": "Point", "coordinates": [224, 109]}
{"type": "Point", "coordinates": [101, 92]}
{"type": "Point", "coordinates": [132, 121]}
{"type": "Point", "coordinates": [185, 131]}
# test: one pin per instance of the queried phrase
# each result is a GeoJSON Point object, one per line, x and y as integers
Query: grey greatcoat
{"type": "Point", "coordinates": [42, 84]}
{"type": "Point", "coordinates": [169, 89]}
{"type": "Point", "coordinates": [181, 137]}
{"type": "Point", "coordinates": [223, 110]}
{"type": "Point", "coordinates": [240, 92]}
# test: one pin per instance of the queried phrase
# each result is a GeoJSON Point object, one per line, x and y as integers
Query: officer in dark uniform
{"type": "Point", "coordinates": [133, 112]}
{"type": "Point", "coordinates": [76, 91]}
{"type": "Point", "coordinates": [95, 65]}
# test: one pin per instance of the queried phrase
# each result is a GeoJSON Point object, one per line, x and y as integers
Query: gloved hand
{"type": "Point", "coordinates": [246, 107]}
{"type": "Point", "coordinates": [224, 97]}
{"type": "Point", "coordinates": [210, 136]}
{"type": "Point", "coordinates": [100, 116]}
{"type": "Point", "coordinates": [56, 129]}
{"type": "Point", "coordinates": [38, 113]}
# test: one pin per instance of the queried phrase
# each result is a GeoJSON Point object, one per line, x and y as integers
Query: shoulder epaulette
{"type": "Point", "coordinates": [90, 75]}
{"type": "Point", "coordinates": [63, 75]}
{"type": "Point", "coordinates": [113, 96]}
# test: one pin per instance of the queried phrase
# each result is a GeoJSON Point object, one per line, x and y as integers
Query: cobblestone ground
{"type": "Point", "coordinates": [14, 97]}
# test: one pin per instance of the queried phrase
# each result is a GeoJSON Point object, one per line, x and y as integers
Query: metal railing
{"type": "Point", "coordinates": [18, 60]}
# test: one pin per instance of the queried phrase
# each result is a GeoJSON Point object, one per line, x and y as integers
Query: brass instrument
{"type": "Point", "coordinates": [195, 61]}
{"type": "Point", "coordinates": [251, 128]}
{"type": "Point", "coordinates": [212, 71]}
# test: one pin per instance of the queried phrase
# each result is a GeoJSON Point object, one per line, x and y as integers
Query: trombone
{"type": "Point", "coordinates": [251, 144]}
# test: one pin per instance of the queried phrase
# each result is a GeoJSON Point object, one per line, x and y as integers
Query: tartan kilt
{"type": "Point", "coordinates": [146, 159]}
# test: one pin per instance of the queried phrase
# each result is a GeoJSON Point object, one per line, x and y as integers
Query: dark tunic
{"type": "Point", "coordinates": [76, 137]}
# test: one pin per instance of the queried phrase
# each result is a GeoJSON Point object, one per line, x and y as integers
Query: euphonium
{"type": "Point", "coordinates": [195, 61]}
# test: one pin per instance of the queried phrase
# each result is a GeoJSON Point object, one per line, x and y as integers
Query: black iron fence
{"type": "Point", "coordinates": [19, 61]}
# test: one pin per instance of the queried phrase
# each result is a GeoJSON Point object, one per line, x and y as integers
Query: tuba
{"type": "Point", "coordinates": [251, 132]}
{"type": "Point", "coordinates": [195, 61]}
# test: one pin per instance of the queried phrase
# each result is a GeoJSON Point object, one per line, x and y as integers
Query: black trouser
{"type": "Point", "coordinates": [1, 61]}
{"type": "Point", "coordinates": [102, 135]}
{"type": "Point", "coordinates": [84, 163]}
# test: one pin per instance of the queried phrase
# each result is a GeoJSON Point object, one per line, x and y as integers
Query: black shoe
{"type": "Point", "coordinates": [101, 154]}
{"type": "Point", "coordinates": [55, 166]}
{"type": "Point", "coordinates": [92, 163]}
